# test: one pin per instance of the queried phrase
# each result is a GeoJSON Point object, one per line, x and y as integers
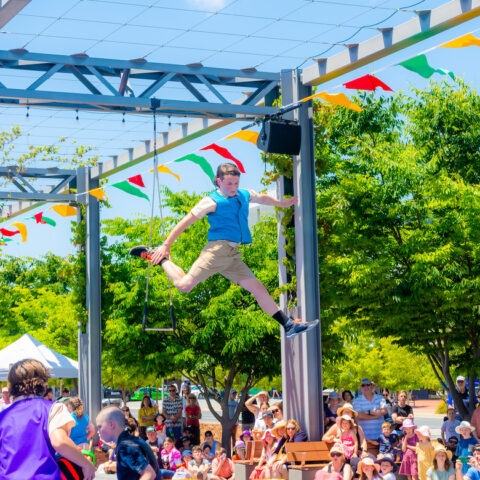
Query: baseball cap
{"type": "Point", "coordinates": [187, 452]}
{"type": "Point", "coordinates": [5, 389]}
{"type": "Point", "coordinates": [460, 378]}
{"type": "Point", "coordinates": [151, 429]}
{"type": "Point", "coordinates": [233, 390]}
{"type": "Point", "coordinates": [267, 414]}
{"type": "Point", "coordinates": [185, 439]}
{"type": "Point", "coordinates": [366, 381]}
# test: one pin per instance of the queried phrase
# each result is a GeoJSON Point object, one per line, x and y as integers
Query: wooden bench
{"type": "Point", "coordinates": [244, 468]}
{"type": "Point", "coordinates": [306, 458]}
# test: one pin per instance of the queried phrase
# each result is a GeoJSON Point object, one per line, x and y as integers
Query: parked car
{"type": "Point", "coordinates": [154, 393]}
{"type": "Point", "coordinates": [111, 393]}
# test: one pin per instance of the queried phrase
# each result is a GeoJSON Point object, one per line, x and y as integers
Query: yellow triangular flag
{"type": "Point", "coordinates": [164, 169]}
{"type": "Point", "coordinates": [467, 40]}
{"type": "Point", "coordinates": [22, 229]}
{"type": "Point", "coordinates": [64, 210]}
{"type": "Point", "coordinates": [98, 193]}
{"type": "Point", "coordinates": [246, 135]}
{"type": "Point", "coordinates": [339, 99]}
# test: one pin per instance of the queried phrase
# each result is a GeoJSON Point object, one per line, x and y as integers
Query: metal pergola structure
{"type": "Point", "coordinates": [107, 85]}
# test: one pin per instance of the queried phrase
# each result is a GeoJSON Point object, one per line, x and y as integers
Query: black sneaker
{"type": "Point", "coordinates": [142, 251]}
{"type": "Point", "coordinates": [293, 328]}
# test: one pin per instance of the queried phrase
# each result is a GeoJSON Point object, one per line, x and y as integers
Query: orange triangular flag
{"type": "Point", "coordinates": [22, 229]}
{"type": "Point", "coordinates": [164, 169]}
{"type": "Point", "coordinates": [64, 210]}
{"type": "Point", "coordinates": [338, 99]}
{"type": "Point", "coordinates": [98, 193]}
{"type": "Point", "coordinates": [246, 135]}
{"type": "Point", "coordinates": [467, 40]}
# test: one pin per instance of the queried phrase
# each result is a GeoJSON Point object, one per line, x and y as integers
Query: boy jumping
{"type": "Point", "coordinates": [227, 211]}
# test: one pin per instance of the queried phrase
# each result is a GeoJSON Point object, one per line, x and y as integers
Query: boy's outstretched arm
{"type": "Point", "coordinates": [164, 250]}
{"type": "Point", "coordinates": [265, 199]}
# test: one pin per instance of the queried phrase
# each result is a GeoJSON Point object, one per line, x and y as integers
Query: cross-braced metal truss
{"type": "Point", "coordinates": [111, 85]}
{"type": "Point", "coordinates": [57, 178]}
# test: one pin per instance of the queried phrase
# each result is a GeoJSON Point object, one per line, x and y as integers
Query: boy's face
{"type": "Point", "coordinates": [386, 467]}
{"type": "Point", "coordinates": [465, 432]}
{"type": "Point", "coordinates": [451, 414]}
{"type": "Point", "coordinates": [229, 185]}
{"type": "Point", "coordinates": [197, 455]}
{"type": "Point", "coordinates": [386, 431]}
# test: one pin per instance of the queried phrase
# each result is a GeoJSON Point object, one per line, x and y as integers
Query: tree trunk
{"type": "Point", "coordinates": [227, 427]}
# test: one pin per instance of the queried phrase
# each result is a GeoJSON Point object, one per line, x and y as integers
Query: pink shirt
{"type": "Point", "coordinates": [226, 470]}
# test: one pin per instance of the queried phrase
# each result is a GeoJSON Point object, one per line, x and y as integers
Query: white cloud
{"type": "Point", "coordinates": [213, 4]}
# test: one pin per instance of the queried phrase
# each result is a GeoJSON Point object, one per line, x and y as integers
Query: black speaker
{"type": "Point", "coordinates": [280, 137]}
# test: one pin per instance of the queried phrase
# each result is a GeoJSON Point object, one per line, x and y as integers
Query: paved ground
{"type": "Point", "coordinates": [423, 412]}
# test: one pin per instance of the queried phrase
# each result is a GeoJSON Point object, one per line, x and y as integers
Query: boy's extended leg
{"type": "Point", "coordinates": [183, 281]}
{"type": "Point", "coordinates": [268, 305]}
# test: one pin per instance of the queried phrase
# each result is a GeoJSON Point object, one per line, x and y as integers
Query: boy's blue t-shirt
{"type": "Point", "coordinates": [386, 443]}
{"type": "Point", "coordinates": [464, 449]}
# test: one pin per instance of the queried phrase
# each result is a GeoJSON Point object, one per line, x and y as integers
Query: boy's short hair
{"type": "Point", "coordinates": [221, 451]}
{"type": "Point", "coordinates": [207, 446]}
{"type": "Point", "coordinates": [197, 448]}
{"type": "Point", "coordinates": [386, 424]}
{"type": "Point", "coordinates": [227, 169]}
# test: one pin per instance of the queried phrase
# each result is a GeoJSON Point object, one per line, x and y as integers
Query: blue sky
{"type": "Point", "coordinates": [268, 34]}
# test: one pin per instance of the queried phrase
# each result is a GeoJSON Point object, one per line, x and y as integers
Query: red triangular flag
{"type": "Point", "coordinates": [38, 218]}
{"type": "Point", "coordinates": [136, 180]}
{"type": "Point", "coordinates": [8, 233]}
{"type": "Point", "coordinates": [225, 154]}
{"type": "Point", "coordinates": [367, 82]}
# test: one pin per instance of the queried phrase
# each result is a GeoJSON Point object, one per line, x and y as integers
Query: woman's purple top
{"type": "Point", "coordinates": [25, 448]}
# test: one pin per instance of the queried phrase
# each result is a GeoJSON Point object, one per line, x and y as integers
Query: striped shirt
{"type": "Point", "coordinates": [171, 408]}
{"type": "Point", "coordinates": [371, 428]}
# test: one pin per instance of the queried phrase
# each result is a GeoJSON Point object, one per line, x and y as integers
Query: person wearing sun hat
{"type": "Point", "coordinates": [366, 469]}
{"type": "Point", "coordinates": [387, 467]}
{"type": "Point", "coordinates": [466, 443]}
{"type": "Point", "coordinates": [262, 470]}
{"type": "Point", "coordinates": [338, 464]}
{"type": "Point", "coordinates": [409, 466]}
{"type": "Point", "coordinates": [278, 431]}
{"type": "Point", "coordinates": [442, 468]}
{"type": "Point", "coordinates": [424, 450]}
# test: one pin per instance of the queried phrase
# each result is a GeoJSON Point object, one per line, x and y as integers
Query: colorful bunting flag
{"type": "Point", "coordinates": [467, 40]}
{"type": "Point", "coordinates": [136, 180]}
{"type": "Point", "coordinates": [40, 218]}
{"type": "Point", "coordinates": [98, 193]}
{"type": "Point", "coordinates": [339, 99]}
{"type": "Point", "coordinates": [64, 210]}
{"type": "Point", "coordinates": [367, 82]}
{"type": "Point", "coordinates": [22, 230]}
{"type": "Point", "coordinates": [420, 65]}
{"type": "Point", "coordinates": [164, 169]}
{"type": "Point", "coordinates": [8, 233]}
{"type": "Point", "coordinates": [246, 135]}
{"type": "Point", "coordinates": [127, 187]}
{"type": "Point", "coordinates": [225, 154]}
{"type": "Point", "coordinates": [201, 162]}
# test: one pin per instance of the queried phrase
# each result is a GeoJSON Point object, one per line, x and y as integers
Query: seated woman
{"type": "Point", "coordinates": [262, 470]}
{"type": "Point", "coordinates": [33, 430]}
{"type": "Point", "coordinates": [338, 464]}
{"type": "Point", "coordinates": [278, 462]}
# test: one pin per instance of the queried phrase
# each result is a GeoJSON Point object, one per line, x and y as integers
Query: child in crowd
{"type": "Point", "coordinates": [442, 468]}
{"type": "Point", "coordinates": [346, 435]}
{"type": "Point", "coordinates": [199, 466]}
{"type": "Point", "coordinates": [387, 468]}
{"type": "Point", "coordinates": [257, 434]}
{"type": "Point", "coordinates": [409, 466]}
{"type": "Point", "coordinates": [193, 415]}
{"type": "Point", "coordinates": [367, 470]}
{"type": "Point", "coordinates": [182, 469]}
{"type": "Point", "coordinates": [207, 453]}
{"type": "Point", "coordinates": [262, 470]}
{"type": "Point", "coordinates": [238, 451]}
{"type": "Point", "coordinates": [465, 444]}
{"type": "Point", "coordinates": [160, 427]}
{"type": "Point", "coordinates": [387, 441]}
{"type": "Point", "coordinates": [425, 451]}
{"type": "Point", "coordinates": [449, 425]}
{"type": "Point", "coordinates": [222, 467]}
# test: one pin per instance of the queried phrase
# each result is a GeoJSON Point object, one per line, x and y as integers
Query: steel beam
{"type": "Point", "coordinates": [302, 356]}
{"type": "Point", "coordinates": [426, 24]}
{"type": "Point", "coordinates": [38, 197]}
{"type": "Point", "coordinates": [9, 9]}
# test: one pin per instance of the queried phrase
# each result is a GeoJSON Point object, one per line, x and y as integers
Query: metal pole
{"type": "Point", "coordinates": [82, 335]}
{"type": "Point", "coordinates": [302, 359]}
{"type": "Point", "coordinates": [92, 215]}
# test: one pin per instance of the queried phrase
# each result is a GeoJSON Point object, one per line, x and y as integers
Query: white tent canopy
{"type": "Point", "coordinates": [26, 346]}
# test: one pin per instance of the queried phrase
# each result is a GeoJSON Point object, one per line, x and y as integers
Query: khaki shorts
{"type": "Point", "coordinates": [220, 257]}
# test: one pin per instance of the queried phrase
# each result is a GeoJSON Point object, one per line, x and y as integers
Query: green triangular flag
{"type": "Point", "coordinates": [129, 188]}
{"type": "Point", "coordinates": [201, 162]}
{"type": "Point", "coordinates": [49, 221]}
{"type": "Point", "coordinates": [420, 65]}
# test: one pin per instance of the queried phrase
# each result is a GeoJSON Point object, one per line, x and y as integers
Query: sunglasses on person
{"type": "Point", "coordinates": [335, 454]}
{"type": "Point", "coordinates": [171, 390]}
{"type": "Point", "coordinates": [275, 411]}
{"type": "Point", "coordinates": [291, 428]}
{"type": "Point", "coordinates": [366, 385]}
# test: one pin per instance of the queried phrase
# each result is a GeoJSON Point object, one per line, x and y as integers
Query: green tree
{"type": "Point", "coordinates": [222, 338]}
{"type": "Point", "coordinates": [399, 223]}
